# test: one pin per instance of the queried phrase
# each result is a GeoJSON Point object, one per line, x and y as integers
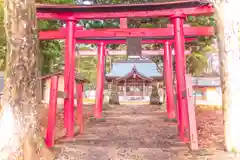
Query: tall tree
{"type": "Point", "coordinates": [2, 32]}
{"type": "Point", "coordinates": [2, 38]}
{"type": "Point", "coordinates": [21, 83]}
{"type": "Point", "coordinates": [229, 53]}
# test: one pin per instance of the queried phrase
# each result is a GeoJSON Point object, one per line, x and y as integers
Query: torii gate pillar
{"type": "Point", "coordinates": [168, 72]}
{"type": "Point", "coordinates": [69, 77]}
{"type": "Point", "coordinates": [178, 21]}
{"type": "Point", "coordinates": [100, 80]}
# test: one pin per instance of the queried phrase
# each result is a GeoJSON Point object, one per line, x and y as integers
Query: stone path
{"type": "Point", "coordinates": [129, 133]}
{"type": "Point", "coordinates": [134, 133]}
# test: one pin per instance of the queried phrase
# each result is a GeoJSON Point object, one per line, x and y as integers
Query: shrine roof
{"type": "Point", "coordinates": [145, 67]}
{"type": "Point", "coordinates": [165, 4]}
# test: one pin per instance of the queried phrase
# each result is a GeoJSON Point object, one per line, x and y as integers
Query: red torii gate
{"type": "Point", "coordinates": [103, 34]}
{"type": "Point", "coordinates": [177, 11]}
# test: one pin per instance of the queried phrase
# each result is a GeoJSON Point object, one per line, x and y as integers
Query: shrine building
{"type": "Point", "coordinates": [133, 79]}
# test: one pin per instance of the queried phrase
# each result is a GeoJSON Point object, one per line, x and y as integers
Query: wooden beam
{"type": "Point", "coordinates": [160, 33]}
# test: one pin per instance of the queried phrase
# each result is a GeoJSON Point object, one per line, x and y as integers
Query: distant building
{"type": "Point", "coordinates": [133, 79]}
{"type": "Point", "coordinates": [207, 90]}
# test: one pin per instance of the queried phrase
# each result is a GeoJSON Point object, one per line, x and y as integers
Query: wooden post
{"type": "Point", "coordinates": [80, 118]}
{"type": "Point", "coordinates": [125, 88]}
{"type": "Point", "coordinates": [52, 111]}
{"type": "Point", "coordinates": [143, 89]}
{"type": "Point", "coordinates": [178, 21]}
{"type": "Point", "coordinates": [66, 76]}
{"type": "Point", "coordinates": [191, 115]}
{"type": "Point", "coordinates": [100, 80]}
{"type": "Point", "coordinates": [123, 23]}
{"type": "Point", "coordinates": [168, 74]}
{"type": "Point", "coordinates": [71, 79]}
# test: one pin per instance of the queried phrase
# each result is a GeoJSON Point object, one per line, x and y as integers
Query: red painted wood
{"type": "Point", "coordinates": [64, 15]}
{"type": "Point", "coordinates": [71, 79]}
{"type": "Point", "coordinates": [185, 99]}
{"type": "Point", "coordinates": [100, 81]}
{"type": "Point", "coordinates": [127, 32]}
{"type": "Point", "coordinates": [133, 7]}
{"type": "Point", "coordinates": [124, 52]}
{"type": "Point", "coordinates": [66, 76]}
{"type": "Point", "coordinates": [168, 72]}
{"type": "Point", "coordinates": [123, 23]}
{"type": "Point", "coordinates": [52, 112]}
{"type": "Point", "coordinates": [79, 89]}
{"type": "Point", "coordinates": [92, 41]}
{"type": "Point", "coordinates": [191, 115]}
{"type": "Point", "coordinates": [179, 49]}
{"type": "Point", "coordinates": [184, 25]}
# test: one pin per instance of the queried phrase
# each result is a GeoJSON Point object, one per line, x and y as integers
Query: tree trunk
{"type": "Point", "coordinates": [21, 84]}
{"type": "Point", "coordinates": [228, 34]}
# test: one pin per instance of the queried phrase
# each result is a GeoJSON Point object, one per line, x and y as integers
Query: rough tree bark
{"type": "Point", "coordinates": [21, 79]}
{"type": "Point", "coordinates": [227, 19]}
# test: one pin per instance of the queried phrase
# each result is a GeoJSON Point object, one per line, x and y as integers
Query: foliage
{"type": "Point", "coordinates": [197, 61]}
{"type": "Point", "coordinates": [51, 50]}
{"type": "Point", "coordinates": [154, 97]}
{"type": "Point", "coordinates": [87, 65]}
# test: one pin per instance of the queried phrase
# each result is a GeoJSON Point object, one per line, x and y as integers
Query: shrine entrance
{"type": "Point", "coordinates": [136, 80]}
{"type": "Point", "coordinates": [176, 33]}
{"type": "Point", "coordinates": [135, 90]}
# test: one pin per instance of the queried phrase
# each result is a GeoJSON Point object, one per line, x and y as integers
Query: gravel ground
{"type": "Point", "coordinates": [140, 133]}
{"type": "Point", "coordinates": [129, 133]}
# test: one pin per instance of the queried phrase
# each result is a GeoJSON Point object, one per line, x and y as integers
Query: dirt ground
{"type": "Point", "coordinates": [140, 133]}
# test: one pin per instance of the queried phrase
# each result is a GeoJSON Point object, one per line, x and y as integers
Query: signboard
{"type": "Point", "coordinates": [191, 114]}
{"type": "Point", "coordinates": [134, 46]}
